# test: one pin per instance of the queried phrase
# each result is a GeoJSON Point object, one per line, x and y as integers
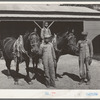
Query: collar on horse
{"type": "Point", "coordinates": [18, 47]}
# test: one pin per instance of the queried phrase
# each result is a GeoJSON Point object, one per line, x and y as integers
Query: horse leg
{"type": "Point", "coordinates": [37, 62]}
{"type": "Point", "coordinates": [27, 70]}
{"type": "Point", "coordinates": [56, 71]}
{"type": "Point", "coordinates": [34, 69]}
{"type": "Point", "coordinates": [33, 63]}
{"type": "Point", "coordinates": [57, 58]}
{"type": "Point", "coordinates": [8, 63]}
{"type": "Point", "coordinates": [17, 70]}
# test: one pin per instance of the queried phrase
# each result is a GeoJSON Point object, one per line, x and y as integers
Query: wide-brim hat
{"type": "Point", "coordinates": [84, 33]}
{"type": "Point", "coordinates": [47, 36]}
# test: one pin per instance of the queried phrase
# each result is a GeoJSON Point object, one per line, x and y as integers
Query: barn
{"type": "Point", "coordinates": [16, 19]}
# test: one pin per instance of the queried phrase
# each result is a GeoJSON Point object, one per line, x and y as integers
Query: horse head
{"type": "Point", "coordinates": [32, 42]}
{"type": "Point", "coordinates": [71, 46]}
{"type": "Point", "coordinates": [61, 38]}
{"type": "Point", "coordinates": [66, 42]}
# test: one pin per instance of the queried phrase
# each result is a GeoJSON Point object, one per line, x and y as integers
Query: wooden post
{"type": "Point", "coordinates": [37, 24]}
{"type": "Point", "coordinates": [51, 24]}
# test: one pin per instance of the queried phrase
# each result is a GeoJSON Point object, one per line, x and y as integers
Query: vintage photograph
{"type": "Point", "coordinates": [49, 46]}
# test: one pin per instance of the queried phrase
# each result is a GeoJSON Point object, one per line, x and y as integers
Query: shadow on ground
{"type": "Point", "coordinates": [38, 74]}
{"type": "Point", "coordinates": [13, 74]}
{"type": "Point", "coordinates": [72, 76]}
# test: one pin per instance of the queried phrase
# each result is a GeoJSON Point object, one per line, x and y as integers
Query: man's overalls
{"type": "Point", "coordinates": [85, 53]}
{"type": "Point", "coordinates": [48, 59]}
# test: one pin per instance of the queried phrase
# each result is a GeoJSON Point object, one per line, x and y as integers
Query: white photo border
{"type": "Point", "coordinates": [51, 93]}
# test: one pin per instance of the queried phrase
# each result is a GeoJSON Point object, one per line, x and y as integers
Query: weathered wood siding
{"type": "Point", "coordinates": [93, 27]}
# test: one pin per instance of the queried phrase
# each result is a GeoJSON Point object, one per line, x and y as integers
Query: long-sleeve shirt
{"type": "Point", "coordinates": [45, 31]}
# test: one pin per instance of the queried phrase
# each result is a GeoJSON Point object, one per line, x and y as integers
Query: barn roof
{"type": "Point", "coordinates": [46, 12]}
{"type": "Point", "coordinates": [43, 8]}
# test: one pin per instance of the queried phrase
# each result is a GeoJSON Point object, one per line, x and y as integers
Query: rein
{"type": "Point", "coordinates": [27, 54]}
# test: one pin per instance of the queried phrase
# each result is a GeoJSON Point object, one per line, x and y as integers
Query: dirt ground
{"type": "Point", "coordinates": [67, 66]}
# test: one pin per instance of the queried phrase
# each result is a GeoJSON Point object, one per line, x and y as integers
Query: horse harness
{"type": "Point", "coordinates": [18, 49]}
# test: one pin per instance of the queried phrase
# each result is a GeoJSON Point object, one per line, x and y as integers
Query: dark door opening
{"type": "Point", "coordinates": [14, 28]}
{"type": "Point", "coordinates": [96, 44]}
{"type": "Point", "coordinates": [60, 27]}
{"type": "Point", "coordinates": [96, 47]}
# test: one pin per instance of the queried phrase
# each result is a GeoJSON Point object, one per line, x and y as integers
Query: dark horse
{"type": "Point", "coordinates": [66, 44]}
{"type": "Point", "coordinates": [31, 46]}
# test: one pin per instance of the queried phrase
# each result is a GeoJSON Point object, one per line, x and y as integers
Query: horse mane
{"type": "Point", "coordinates": [26, 35]}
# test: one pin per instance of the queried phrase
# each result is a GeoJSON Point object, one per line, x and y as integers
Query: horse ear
{"type": "Point", "coordinates": [35, 30]}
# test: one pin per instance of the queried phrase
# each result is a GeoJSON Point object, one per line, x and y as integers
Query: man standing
{"type": "Point", "coordinates": [85, 58]}
{"type": "Point", "coordinates": [48, 59]}
{"type": "Point", "coordinates": [45, 30]}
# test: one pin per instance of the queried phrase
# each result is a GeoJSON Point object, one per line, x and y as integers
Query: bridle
{"type": "Point", "coordinates": [33, 44]}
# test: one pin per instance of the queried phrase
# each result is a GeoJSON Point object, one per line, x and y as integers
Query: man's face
{"type": "Point", "coordinates": [72, 30]}
{"type": "Point", "coordinates": [46, 40]}
{"type": "Point", "coordinates": [46, 24]}
{"type": "Point", "coordinates": [85, 37]}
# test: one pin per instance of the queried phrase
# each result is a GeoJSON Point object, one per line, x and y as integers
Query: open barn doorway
{"type": "Point", "coordinates": [64, 26]}
{"type": "Point", "coordinates": [60, 27]}
{"type": "Point", "coordinates": [96, 47]}
{"type": "Point", "coordinates": [15, 28]}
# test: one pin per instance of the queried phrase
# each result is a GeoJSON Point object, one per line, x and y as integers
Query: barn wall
{"type": "Point", "coordinates": [93, 28]}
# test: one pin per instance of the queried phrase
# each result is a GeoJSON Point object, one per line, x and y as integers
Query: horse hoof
{"type": "Point", "coordinates": [30, 83]}
{"type": "Point", "coordinates": [16, 83]}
